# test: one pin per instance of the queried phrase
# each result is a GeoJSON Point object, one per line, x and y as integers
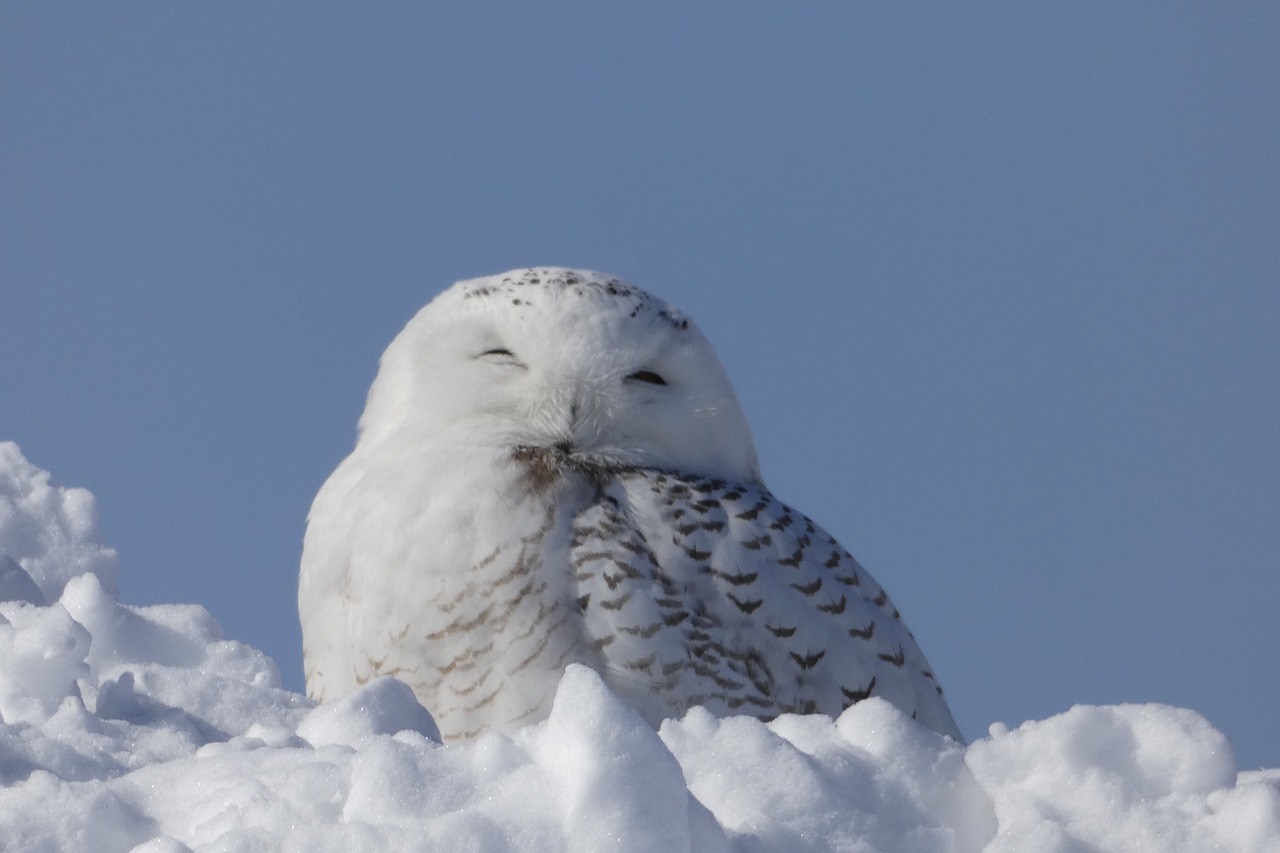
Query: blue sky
{"type": "Point", "coordinates": [998, 286]}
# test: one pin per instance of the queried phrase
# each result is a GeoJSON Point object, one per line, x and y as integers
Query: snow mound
{"type": "Point", "coordinates": [140, 728]}
{"type": "Point", "coordinates": [49, 532]}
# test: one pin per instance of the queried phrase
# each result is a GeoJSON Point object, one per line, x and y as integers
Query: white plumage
{"type": "Point", "coordinates": [552, 468]}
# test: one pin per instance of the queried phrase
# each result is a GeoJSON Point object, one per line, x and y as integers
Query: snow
{"type": "Point", "coordinates": [142, 728]}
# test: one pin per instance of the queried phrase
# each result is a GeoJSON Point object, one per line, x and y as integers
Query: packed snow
{"type": "Point", "coordinates": [141, 728]}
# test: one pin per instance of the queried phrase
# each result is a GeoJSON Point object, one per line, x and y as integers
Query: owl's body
{"type": "Point", "coordinates": [552, 469]}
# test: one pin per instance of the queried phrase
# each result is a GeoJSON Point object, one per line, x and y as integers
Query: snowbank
{"type": "Point", "coordinates": [141, 728]}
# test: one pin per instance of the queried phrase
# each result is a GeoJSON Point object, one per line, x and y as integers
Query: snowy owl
{"type": "Point", "coordinates": [552, 468]}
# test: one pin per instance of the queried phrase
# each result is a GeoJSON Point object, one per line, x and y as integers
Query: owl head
{"type": "Point", "coordinates": [559, 358]}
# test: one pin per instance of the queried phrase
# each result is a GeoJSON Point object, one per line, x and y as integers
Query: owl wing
{"type": "Point", "coordinates": [700, 592]}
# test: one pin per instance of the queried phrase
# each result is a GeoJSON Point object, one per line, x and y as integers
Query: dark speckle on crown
{"type": "Point", "coordinates": [519, 285]}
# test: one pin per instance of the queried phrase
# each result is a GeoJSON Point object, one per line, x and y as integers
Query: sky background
{"type": "Point", "coordinates": [998, 286]}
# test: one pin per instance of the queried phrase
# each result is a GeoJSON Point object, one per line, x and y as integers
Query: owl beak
{"type": "Point", "coordinates": [573, 440]}
{"type": "Point", "coordinates": [567, 410]}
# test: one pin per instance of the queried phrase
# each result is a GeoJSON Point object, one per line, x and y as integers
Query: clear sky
{"type": "Point", "coordinates": [998, 286]}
